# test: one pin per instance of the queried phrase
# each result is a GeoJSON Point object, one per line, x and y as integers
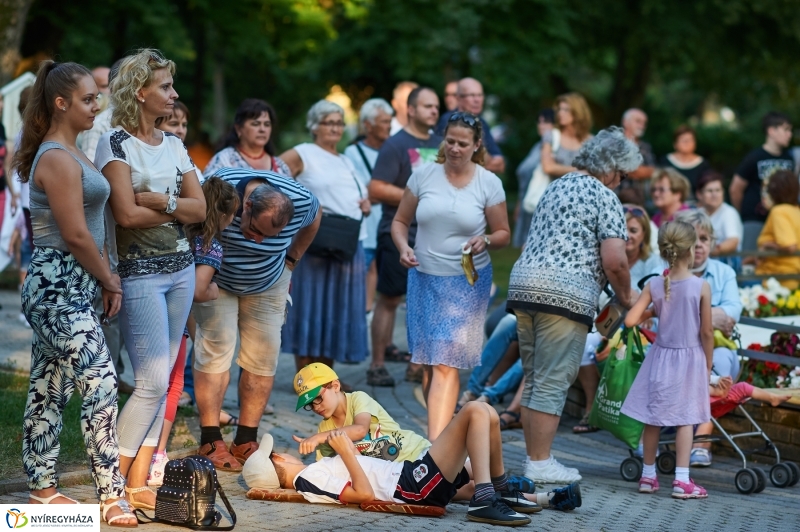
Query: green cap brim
{"type": "Point", "coordinates": [306, 397]}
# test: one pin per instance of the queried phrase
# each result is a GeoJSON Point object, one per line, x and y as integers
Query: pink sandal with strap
{"type": "Point", "coordinates": [648, 485]}
{"type": "Point", "coordinates": [688, 490]}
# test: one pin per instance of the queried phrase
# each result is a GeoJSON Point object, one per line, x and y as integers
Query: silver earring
{"type": "Point", "coordinates": [63, 108]}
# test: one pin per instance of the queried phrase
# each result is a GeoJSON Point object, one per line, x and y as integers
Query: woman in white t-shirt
{"type": "Point", "coordinates": [725, 219]}
{"type": "Point", "coordinates": [453, 201]}
{"type": "Point", "coordinates": [326, 321]}
{"type": "Point", "coordinates": [154, 192]}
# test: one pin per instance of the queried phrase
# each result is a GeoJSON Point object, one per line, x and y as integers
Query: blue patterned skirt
{"type": "Point", "coordinates": [328, 313]}
{"type": "Point", "coordinates": [445, 318]}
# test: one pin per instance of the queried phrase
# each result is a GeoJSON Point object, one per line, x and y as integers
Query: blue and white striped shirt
{"type": "Point", "coordinates": [248, 267]}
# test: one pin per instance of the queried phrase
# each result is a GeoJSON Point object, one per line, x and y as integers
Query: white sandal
{"type": "Point", "coordinates": [48, 500]}
{"type": "Point", "coordinates": [137, 504]}
{"type": "Point", "coordinates": [123, 505]}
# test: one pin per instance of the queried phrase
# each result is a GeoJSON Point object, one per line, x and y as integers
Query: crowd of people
{"type": "Point", "coordinates": [311, 252]}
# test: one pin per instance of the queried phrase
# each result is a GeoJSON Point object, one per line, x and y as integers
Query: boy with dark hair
{"type": "Point", "coordinates": [432, 480]}
{"type": "Point", "coordinates": [759, 165]}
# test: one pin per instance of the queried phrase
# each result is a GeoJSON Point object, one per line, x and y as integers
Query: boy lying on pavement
{"type": "Point", "coordinates": [432, 480]}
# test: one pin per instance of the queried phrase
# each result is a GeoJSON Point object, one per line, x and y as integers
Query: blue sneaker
{"type": "Point", "coordinates": [700, 458]}
{"type": "Point", "coordinates": [523, 484]}
{"type": "Point", "coordinates": [566, 498]}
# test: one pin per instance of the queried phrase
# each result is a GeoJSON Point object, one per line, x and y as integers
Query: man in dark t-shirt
{"type": "Point", "coordinates": [758, 165]}
{"type": "Point", "coordinates": [399, 156]}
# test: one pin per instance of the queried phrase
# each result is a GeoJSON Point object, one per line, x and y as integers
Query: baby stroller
{"type": "Point", "coordinates": [748, 480]}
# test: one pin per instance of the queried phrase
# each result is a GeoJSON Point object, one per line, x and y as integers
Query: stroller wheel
{"type": "Point", "coordinates": [631, 469]}
{"type": "Point", "coordinates": [795, 473]}
{"type": "Point", "coordinates": [762, 479]}
{"type": "Point", "coordinates": [780, 475]}
{"type": "Point", "coordinates": [746, 481]}
{"type": "Point", "coordinates": [666, 462]}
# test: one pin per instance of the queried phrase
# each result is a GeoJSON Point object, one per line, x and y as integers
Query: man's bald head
{"type": "Point", "coordinates": [400, 100]}
{"type": "Point", "coordinates": [634, 122]}
{"type": "Point", "coordinates": [470, 96]}
{"type": "Point", "coordinates": [100, 75]}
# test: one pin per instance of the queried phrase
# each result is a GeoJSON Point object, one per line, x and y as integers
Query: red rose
{"type": "Point", "coordinates": [772, 366]}
{"type": "Point", "coordinates": [762, 300]}
{"type": "Point", "coordinates": [754, 347]}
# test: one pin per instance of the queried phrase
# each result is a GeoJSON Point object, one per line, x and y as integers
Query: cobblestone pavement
{"type": "Point", "coordinates": [609, 503]}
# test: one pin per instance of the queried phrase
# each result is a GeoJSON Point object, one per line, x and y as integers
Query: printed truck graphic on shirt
{"type": "Point", "coordinates": [379, 446]}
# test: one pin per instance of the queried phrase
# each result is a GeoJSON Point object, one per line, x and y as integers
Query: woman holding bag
{"type": "Point", "coordinates": [453, 201]}
{"type": "Point", "coordinates": [326, 321]}
{"type": "Point", "coordinates": [560, 145]}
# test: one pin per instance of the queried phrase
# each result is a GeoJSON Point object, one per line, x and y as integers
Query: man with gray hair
{"type": "Point", "coordinates": [375, 121]}
{"type": "Point", "coordinates": [634, 123]}
{"type": "Point", "coordinates": [274, 226]}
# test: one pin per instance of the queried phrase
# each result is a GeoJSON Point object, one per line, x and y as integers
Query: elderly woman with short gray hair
{"type": "Point", "coordinates": [326, 321]}
{"type": "Point", "coordinates": [575, 244]}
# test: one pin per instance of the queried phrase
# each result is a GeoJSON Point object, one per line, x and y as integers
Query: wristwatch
{"type": "Point", "coordinates": [486, 240]}
{"type": "Point", "coordinates": [172, 204]}
{"type": "Point", "coordinates": [291, 260]}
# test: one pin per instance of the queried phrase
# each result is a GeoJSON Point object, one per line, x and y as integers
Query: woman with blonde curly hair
{"type": "Point", "coordinates": [561, 145]}
{"type": "Point", "coordinates": [154, 192]}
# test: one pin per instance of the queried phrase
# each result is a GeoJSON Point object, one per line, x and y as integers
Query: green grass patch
{"type": "Point", "coordinates": [502, 262]}
{"type": "Point", "coordinates": [13, 397]}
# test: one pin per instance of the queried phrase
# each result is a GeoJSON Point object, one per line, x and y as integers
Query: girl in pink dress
{"type": "Point", "coordinates": [671, 388]}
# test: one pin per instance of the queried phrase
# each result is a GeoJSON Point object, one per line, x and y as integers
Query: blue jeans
{"type": "Point", "coordinates": [493, 352]}
{"type": "Point", "coordinates": [152, 319]}
{"type": "Point", "coordinates": [506, 384]}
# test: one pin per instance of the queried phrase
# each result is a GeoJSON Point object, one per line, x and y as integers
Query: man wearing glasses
{"type": "Point", "coordinates": [274, 226]}
{"type": "Point", "coordinates": [470, 100]}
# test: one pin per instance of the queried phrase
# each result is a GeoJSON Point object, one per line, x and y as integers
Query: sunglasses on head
{"type": "Point", "coordinates": [467, 118]}
{"type": "Point", "coordinates": [636, 211]}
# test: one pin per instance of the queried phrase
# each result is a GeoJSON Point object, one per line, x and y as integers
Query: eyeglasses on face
{"type": "Point", "coordinates": [332, 124]}
{"type": "Point", "coordinates": [662, 189]}
{"type": "Point", "coordinates": [468, 118]}
{"type": "Point", "coordinates": [316, 402]}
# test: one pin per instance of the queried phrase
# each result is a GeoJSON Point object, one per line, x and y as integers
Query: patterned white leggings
{"type": "Point", "coordinates": [69, 352]}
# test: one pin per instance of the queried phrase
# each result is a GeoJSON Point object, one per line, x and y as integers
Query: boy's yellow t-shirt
{"type": "Point", "coordinates": [783, 228]}
{"type": "Point", "coordinates": [386, 440]}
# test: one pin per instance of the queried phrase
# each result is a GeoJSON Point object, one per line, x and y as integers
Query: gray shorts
{"type": "Point", "coordinates": [551, 348]}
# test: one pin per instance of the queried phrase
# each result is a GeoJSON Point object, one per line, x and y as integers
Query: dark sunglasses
{"type": "Point", "coordinates": [636, 211]}
{"type": "Point", "coordinates": [467, 118]}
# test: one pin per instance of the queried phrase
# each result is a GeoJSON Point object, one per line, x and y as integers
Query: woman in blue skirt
{"type": "Point", "coordinates": [453, 200]}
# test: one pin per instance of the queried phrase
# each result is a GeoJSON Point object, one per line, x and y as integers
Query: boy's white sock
{"type": "Point", "coordinates": [543, 499]}
{"type": "Point", "coordinates": [539, 463]}
{"type": "Point", "coordinates": [649, 471]}
{"type": "Point", "coordinates": [682, 474]}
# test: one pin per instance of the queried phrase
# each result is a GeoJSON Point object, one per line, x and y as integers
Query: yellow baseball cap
{"type": "Point", "coordinates": [309, 381]}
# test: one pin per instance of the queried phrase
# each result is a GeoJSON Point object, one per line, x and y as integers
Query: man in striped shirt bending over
{"type": "Point", "coordinates": [275, 225]}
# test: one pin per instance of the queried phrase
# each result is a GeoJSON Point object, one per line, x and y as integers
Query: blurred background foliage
{"type": "Point", "coordinates": [717, 64]}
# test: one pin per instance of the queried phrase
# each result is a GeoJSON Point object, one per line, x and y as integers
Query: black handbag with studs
{"type": "Point", "coordinates": [188, 496]}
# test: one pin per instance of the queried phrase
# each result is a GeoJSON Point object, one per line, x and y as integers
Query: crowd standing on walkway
{"type": "Point", "coordinates": [312, 252]}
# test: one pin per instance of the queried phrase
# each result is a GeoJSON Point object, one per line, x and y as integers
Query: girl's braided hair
{"type": "Point", "coordinates": [675, 241]}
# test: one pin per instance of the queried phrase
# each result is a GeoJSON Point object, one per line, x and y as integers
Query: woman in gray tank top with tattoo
{"type": "Point", "coordinates": [68, 266]}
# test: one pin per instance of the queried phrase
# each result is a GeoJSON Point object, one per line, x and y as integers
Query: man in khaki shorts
{"type": "Point", "coordinates": [275, 225]}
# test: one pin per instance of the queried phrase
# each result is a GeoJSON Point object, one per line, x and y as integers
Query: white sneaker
{"type": "Point", "coordinates": [552, 472]}
{"type": "Point", "coordinates": [465, 398]}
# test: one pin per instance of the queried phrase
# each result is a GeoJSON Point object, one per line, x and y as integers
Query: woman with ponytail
{"type": "Point", "coordinates": [69, 263]}
{"type": "Point", "coordinates": [154, 192]}
{"type": "Point", "coordinates": [682, 353]}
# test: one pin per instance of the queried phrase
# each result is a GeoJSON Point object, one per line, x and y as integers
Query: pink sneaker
{"type": "Point", "coordinates": [155, 477]}
{"type": "Point", "coordinates": [648, 485]}
{"type": "Point", "coordinates": [687, 490]}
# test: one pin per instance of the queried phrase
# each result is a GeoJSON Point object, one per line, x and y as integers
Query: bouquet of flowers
{"type": "Point", "coordinates": [764, 374]}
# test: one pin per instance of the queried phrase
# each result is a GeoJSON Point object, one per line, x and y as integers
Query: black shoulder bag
{"type": "Point", "coordinates": [188, 496]}
{"type": "Point", "coordinates": [337, 237]}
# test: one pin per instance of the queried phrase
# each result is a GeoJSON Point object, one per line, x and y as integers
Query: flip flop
{"type": "Point", "coordinates": [583, 426]}
{"type": "Point", "coordinates": [506, 425]}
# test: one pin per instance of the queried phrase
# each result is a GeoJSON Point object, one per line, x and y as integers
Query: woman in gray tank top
{"type": "Point", "coordinates": [68, 196]}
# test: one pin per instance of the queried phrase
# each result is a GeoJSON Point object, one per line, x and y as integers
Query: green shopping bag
{"type": "Point", "coordinates": [618, 376]}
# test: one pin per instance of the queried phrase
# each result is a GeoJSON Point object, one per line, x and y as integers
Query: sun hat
{"type": "Point", "coordinates": [309, 381]}
{"type": "Point", "coordinates": [258, 471]}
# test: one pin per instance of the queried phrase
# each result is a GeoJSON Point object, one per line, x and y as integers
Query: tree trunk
{"type": "Point", "coordinates": [12, 23]}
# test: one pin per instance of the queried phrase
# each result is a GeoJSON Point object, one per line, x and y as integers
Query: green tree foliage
{"type": "Point", "coordinates": [671, 58]}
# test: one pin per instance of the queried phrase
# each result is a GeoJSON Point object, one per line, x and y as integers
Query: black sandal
{"type": "Point", "coordinates": [583, 426]}
{"type": "Point", "coordinates": [506, 425]}
{"type": "Point", "coordinates": [379, 377]}
{"type": "Point", "coordinates": [393, 354]}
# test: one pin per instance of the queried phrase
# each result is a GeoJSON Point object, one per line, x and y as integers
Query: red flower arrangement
{"type": "Point", "coordinates": [765, 374]}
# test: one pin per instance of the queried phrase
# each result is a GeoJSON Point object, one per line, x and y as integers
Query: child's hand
{"type": "Point", "coordinates": [308, 445]}
{"type": "Point", "coordinates": [341, 443]}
